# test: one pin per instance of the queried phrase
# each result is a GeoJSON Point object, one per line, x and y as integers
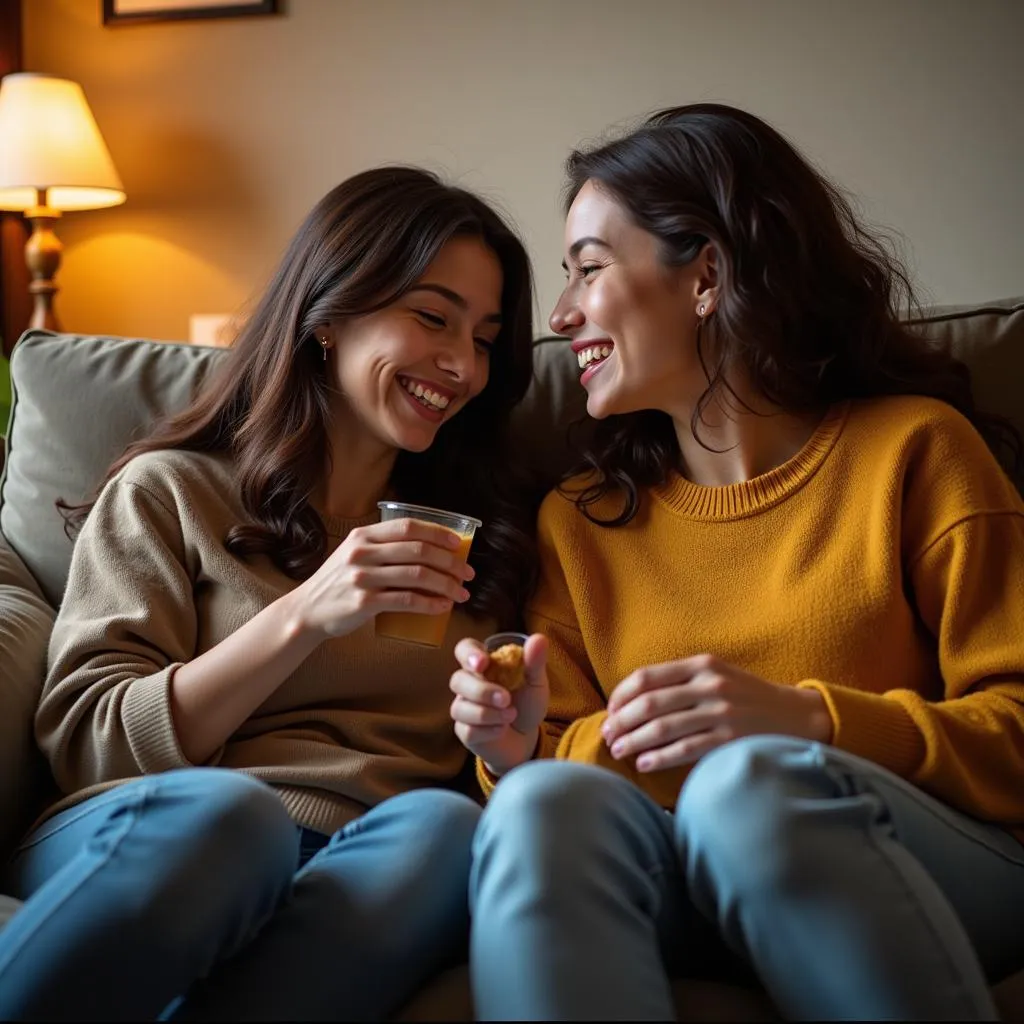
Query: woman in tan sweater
{"type": "Point", "coordinates": [784, 605]}
{"type": "Point", "coordinates": [261, 817]}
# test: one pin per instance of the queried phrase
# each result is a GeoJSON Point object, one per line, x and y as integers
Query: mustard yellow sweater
{"type": "Point", "coordinates": [883, 565]}
{"type": "Point", "coordinates": [151, 586]}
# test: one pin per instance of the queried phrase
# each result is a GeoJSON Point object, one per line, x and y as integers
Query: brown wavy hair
{"type": "Point", "coordinates": [360, 248]}
{"type": "Point", "coordinates": [809, 303]}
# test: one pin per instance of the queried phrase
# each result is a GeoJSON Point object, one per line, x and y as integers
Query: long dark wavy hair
{"type": "Point", "coordinates": [360, 248]}
{"type": "Point", "coordinates": [809, 303]}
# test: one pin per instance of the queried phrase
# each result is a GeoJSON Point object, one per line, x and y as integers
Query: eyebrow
{"type": "Point", "coordinates": [574, 249]}
{"type": "Point", "coordinates": [453, 297]}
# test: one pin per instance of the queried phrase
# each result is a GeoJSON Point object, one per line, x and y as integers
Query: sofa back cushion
{"type": "Point", "coordinates": [79, 400]}
{"type": "Point", "coordinates": [988, 337]}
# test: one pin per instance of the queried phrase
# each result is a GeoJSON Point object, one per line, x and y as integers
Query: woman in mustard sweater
{"type": "Point", "coordinates": [259, 817]}
{"type": "Point", "coordinates": [785, 603]}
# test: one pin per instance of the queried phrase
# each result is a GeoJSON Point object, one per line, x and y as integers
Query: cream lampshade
{"type": "Point", "coordinates": [52, 158]}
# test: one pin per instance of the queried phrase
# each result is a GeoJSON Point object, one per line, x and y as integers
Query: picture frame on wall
{"type": "Point", "coordinates": [122, 12]}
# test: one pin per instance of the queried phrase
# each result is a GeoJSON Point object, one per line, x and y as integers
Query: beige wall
{"type": "Point", "coordinates": [226, 132]}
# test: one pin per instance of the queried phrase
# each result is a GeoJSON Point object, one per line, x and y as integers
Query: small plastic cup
{"type": "Point", "coordinates": [496, 640]}
{"type": "Point", "coordinates": [414, 627]}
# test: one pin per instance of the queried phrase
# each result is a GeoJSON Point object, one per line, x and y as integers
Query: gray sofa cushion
{"type": "Point", "coordinates": [78, 400]}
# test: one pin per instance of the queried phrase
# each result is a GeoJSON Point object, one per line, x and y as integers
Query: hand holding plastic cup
{"type": "Point", "coordinates": [413, 627]}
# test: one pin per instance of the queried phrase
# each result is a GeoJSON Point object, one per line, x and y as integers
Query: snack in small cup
{"type": "Point", "coordinates": [505, 660]}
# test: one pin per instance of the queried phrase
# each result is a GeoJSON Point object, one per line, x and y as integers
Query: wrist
{"type": "Point", "coordinates": [819, 718]}
{"type": "Point", "coordinates": [296, 623]}
{"type": "Point", "coordinates": [530, 746]}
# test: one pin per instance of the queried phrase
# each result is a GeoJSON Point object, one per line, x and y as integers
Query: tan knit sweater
{"type": "Point", "coordinates": [151, 587]}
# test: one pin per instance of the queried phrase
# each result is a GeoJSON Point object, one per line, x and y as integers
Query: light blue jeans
{"type": "Point", "coordinates": [843, 890]}
{"type": "Point", "coordinates": [193, 894]}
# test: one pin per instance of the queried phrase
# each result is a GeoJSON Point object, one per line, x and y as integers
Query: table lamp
{"type": "Point", "coordinates": [52, 158]}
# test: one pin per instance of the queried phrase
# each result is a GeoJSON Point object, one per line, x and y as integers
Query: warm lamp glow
{"type": "Point", "coordinates": [49, 140]}
{"type": "Point", "coordinates": [52, 158]}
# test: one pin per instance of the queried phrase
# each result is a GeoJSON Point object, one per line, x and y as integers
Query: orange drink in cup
{"type": "Point", "coordinates": [412, 627]}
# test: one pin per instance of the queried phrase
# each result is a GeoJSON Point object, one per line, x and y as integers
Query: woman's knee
{"type": "Point", "coordinates": [734, 769]}
{"type": "Point", "coordinates": [558, 831]}
{"type": "Point", "coordinates": [227, 807]}
{"type": "Point", "coordinates": [440, 821]}
{"type": "Point", "coordinates": [557, 811]}
{"type": "Point", "coordinates": [198, 825]}
{"type": "Point", "coordinates": [556, 791]}
{"type": "Point", "coordinates": [736, 808]}
{"type": "Point", "coordinates": [187, 856]}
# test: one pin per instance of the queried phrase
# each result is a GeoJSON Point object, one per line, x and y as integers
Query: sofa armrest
{"type": "Point", "coordinates": [25, 624]}
{"type": "Point", "coordinates": [14, 573]}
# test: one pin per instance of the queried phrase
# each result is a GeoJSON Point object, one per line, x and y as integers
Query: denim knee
{"type": "Point", "coordinates": [231, 811]}
{"type": "Point", "coordinates": [734, 809]}
{"type": "Point", "coordinates": [561, 794]}
{"type": "Point", "coordinates": [550, 814]}
{"type": "Point", "coordinates": [441, 822]}
{"type": "Point", "coordinates": [210, 840]}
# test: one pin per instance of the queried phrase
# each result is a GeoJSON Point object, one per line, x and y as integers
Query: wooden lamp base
{"type": "Point", "coordinates": [42, 255]}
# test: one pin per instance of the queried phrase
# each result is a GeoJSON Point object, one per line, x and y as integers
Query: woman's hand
{"type": "Point", "coordinates": [402, 565]}
{"type": "Point", "coordinates": [501, 728]}
{"type": "Point", "coordinates": [672, 714]}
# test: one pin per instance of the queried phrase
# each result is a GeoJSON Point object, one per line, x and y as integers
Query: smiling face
{"type": "Point", "coordinates": [632, 318]}
{"type": "Point", "coordinates": [405, 369]}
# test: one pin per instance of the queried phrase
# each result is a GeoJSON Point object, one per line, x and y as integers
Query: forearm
{"type": "Point", "coordinates": [213, 694]}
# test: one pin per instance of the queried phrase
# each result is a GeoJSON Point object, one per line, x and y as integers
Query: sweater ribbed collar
{"type": "Point", "coordinates": [734, 501]}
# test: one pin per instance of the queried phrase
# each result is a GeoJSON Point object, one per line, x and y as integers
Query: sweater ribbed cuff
{"type": "Point", "coordinates": [146, 714]}
{"type": "Point", "coordinates": [872, 726]}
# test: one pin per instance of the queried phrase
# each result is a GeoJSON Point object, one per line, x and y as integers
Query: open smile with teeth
{"type": "Point", "coordinates": [426, 396]}
{"type": "Point", "coordinates": [594, 354]}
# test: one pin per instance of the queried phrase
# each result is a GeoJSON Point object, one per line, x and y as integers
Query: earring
{"type": "Point", "coordinates": [700, 310]}
{"type": "Point", "coordinates": [324, 346]}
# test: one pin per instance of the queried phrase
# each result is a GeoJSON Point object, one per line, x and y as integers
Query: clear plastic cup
{"type": "Point", "coordinates": [496, 640]}
{"type": "Point", "coordinates": [414, 627]}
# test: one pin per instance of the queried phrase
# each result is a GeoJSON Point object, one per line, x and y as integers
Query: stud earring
{"type": "Point", "coordinates": [700, 310]}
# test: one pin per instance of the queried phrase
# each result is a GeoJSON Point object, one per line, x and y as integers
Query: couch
{"type": "Point", "coordinates": [78, 399]}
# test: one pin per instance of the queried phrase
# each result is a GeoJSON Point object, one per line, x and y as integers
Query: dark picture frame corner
{"type": "Point", "coordinates": [117, 12]}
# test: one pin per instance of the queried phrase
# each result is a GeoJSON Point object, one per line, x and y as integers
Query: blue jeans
{"type": "Point", "coordinates": [193, 894]}
{"type": "Point", "coordinates": [846, 892]}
